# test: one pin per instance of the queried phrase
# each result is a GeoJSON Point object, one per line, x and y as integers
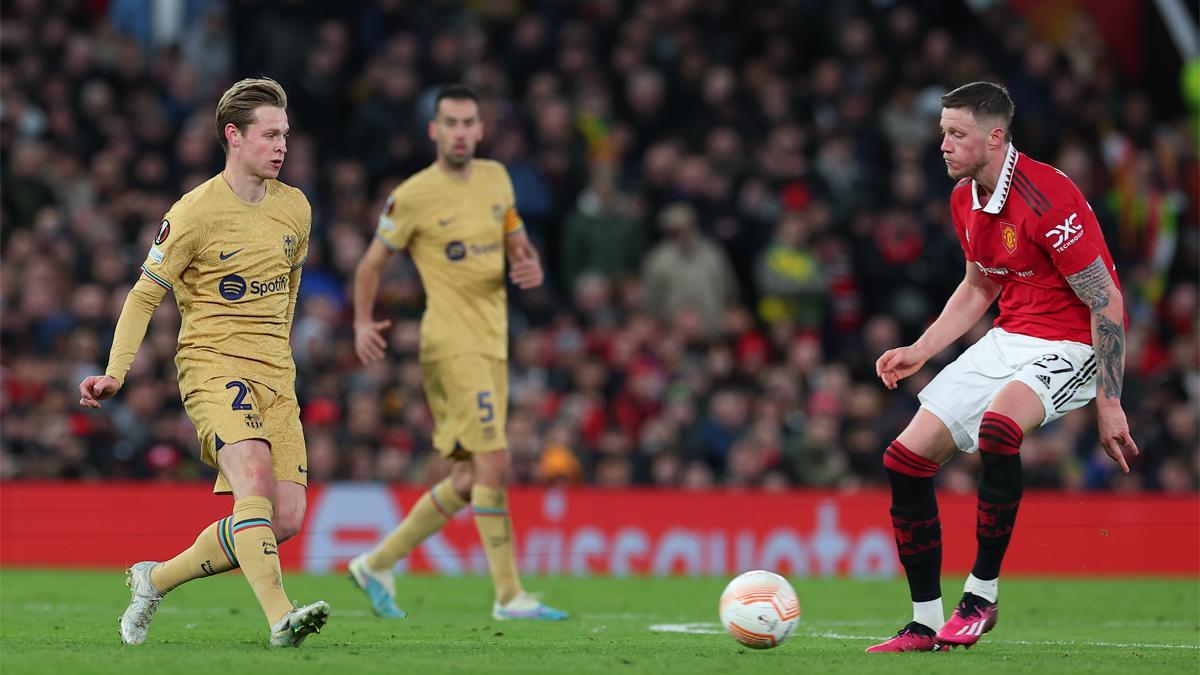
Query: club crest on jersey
{"type": "Point", "coordinates": [1008, 236]}
{"type": "Point", "coordinates": [289, 247]}
{"type": "Point", "coordinates": [164, 231]}
{"type": "Point", "coordinates": [498, 213]}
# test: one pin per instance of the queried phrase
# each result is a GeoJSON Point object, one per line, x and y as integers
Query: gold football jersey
{"type": "Point", "coordinates": [455, 230]}
{"type": "Point", "coordinates": [230, 265]}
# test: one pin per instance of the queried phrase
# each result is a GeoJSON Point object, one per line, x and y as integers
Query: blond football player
{"type": "Point", "coordinates": [458, 220]}
{"type": "Point", "coordinates": [231, 251]}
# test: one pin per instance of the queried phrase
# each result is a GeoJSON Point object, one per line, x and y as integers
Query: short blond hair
{"type": "Point", "coordinates": [238, 103]}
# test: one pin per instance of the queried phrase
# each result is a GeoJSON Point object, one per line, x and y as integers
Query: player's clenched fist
{"type": "Point", "coordinates": [369, 342]}
{"type": "Point", "coordinates": [96, 388]}
{"type": "Point", "coordinates": [897, 364]}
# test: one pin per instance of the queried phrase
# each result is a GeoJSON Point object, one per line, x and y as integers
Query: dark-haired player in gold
{"type": "Point", "coordinates": [231, 251]}
{"type": "Point", "coordinates": [459, 221]}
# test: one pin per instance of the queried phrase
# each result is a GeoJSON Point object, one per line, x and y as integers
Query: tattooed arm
{"type": "Point", "coordinates": [1094, 286]}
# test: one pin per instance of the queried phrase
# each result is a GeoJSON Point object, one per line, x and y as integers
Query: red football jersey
{"type": "Point", "coordinates": [1036, 230]}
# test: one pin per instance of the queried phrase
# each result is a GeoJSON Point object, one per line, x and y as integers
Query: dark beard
{"type": "Point", "coordinates": [456, 163]}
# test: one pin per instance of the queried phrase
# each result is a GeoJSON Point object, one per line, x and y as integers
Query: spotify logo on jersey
{"type": "Point", "coordinates": [233, 287]}
{"type": "Point", "coordinates": [456, 251]}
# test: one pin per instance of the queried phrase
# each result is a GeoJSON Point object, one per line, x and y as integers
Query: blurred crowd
{"type": "Point", "coordinates": [740, 206]}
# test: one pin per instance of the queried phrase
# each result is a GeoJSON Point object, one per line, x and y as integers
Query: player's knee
{"type": "Point", "coordinates": [999, 435]}
{"type": "Point", "coordinates": [493, 469]}
{"type": "Point", "coordinates": [903, 462]}
{"type": "Point", "coordinates": [286, 523]}
{"type": "Point", "coordinates": [247, 467]}
{"type": "Point", "coordinates": [461, 480]}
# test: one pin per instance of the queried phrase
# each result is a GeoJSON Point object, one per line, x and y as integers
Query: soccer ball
{"type": "Point", "coordinates": [759, 609]}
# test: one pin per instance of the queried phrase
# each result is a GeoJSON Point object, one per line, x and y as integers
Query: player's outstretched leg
{"type": "Point", "coordinates": [1000, 491]}
{"type": "Point", "coordinates": [211, 553]}
{"type": "Point", "coordinates": [918, 531]}
{"type": "Point", "coordinates": [372, 571]}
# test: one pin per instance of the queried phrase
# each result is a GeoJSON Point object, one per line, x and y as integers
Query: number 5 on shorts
{"type": "Point", "coordinates": [485, 406]}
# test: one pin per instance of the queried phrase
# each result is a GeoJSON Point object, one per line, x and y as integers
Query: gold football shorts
{"type": "Point", "coordinates": [469, 399]}
{"type": "Point", "coordinates": [229, 409]}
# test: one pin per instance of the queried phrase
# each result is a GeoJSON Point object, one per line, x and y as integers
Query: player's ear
{"type": "Point", "coordinates": [232, 133]}
{"type": "Point", "coordinates": [433, 129]}
{"type": "Point", "coordinates": [997, 137]}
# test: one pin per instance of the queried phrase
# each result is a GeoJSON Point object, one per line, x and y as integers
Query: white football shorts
{"type": "Point", "coordinates": [1060, 372]}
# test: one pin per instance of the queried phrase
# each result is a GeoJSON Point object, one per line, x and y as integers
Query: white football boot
{"type": "Point", "coordinates": [299, 623]}
{"type": "Point", "coordinates": [135, 622]}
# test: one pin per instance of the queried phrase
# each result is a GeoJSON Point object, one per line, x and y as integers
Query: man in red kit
{"type": "Point", "coordinates": [1031, 239]}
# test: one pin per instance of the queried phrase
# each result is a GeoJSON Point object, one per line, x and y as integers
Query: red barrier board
{"type": "Point", "coordinates": [593, 532]}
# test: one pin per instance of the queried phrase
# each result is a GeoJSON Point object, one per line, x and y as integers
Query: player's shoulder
{"type": "Point", "coordinates": [194, 207]}
{"type": "Point", "coordinates": [292, 201]}
{"type": "Point", "coordinates": [492, 171]}
{"type": "Point", "coordinates": [489, 167]}
{"type": "Point", "coordinates": [961, 194]}
{"type": "Point", "coordinates": [416, 186]}
{"type": "Point", "coordinates": [291, 195]}
{"type": "Point", "coordinates": [1045, 182]}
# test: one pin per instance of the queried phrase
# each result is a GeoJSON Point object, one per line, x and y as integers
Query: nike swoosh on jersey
{"type": "Point", "coordinates": [227, 256]}
{"type": "Point", "coordinates": [442, 222]}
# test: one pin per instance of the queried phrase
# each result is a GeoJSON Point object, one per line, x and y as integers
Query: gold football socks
{"type": "Point", "coordinates": [258, 554]}
{"type": "Point", "coordinates": [490, 508]}
{"type": "Point", "coordinates": [432, 511]}
{"type": "Point", "coordinates": [212, 553]}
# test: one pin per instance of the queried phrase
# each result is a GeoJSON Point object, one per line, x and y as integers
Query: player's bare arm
{"type": "Point", "coordinates": [964, 308]}
{"type": "Point", "coordinates": [524, 265]}
{"type": "Point", "coordinates": [369, 342]}
{"type": "Point", "coordinates": [1094, 286]}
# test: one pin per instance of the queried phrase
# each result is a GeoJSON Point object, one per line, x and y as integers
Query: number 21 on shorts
{"type": "Point", "coordinates": [240, 397]}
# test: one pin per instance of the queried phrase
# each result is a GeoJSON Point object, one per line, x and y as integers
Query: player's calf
{"type": "Point", "coordinates": [918, 531]}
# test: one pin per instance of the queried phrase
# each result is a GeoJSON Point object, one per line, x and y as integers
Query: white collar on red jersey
{"type": "Point", "coordinates": [1000, 194]}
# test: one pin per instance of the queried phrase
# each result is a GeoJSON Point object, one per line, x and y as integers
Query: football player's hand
{"type": "Point", "coordinates": [897, 364]}
{"type": "Point", "coordinates": [96, 388]}
{"type": "Point", "coordinates": [524, 268]}
{"type": "Point", "coordinates": [1114, 435]}
{"type": "Point", "coordinates": [369, 343]}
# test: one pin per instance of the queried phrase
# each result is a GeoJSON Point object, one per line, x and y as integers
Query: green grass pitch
{"type": "Point", "coordinates": [65, 622]}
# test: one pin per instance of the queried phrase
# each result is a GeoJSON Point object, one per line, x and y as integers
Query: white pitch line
{"type": "Point", "coordinates": [710, 628]}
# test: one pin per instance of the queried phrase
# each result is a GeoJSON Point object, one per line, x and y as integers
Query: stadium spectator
{"type": "Point", "coordinates": [687, 272]}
